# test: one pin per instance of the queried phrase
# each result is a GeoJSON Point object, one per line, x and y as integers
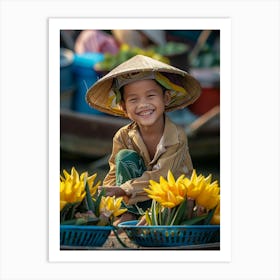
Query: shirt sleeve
{"type": "Point", "coordinates": [176, 158]}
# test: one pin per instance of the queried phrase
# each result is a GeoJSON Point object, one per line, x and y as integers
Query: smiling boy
{"type": "Point", "coordinates": [143, 89]}
{"type": "Point", "coordinates": [144, 103]}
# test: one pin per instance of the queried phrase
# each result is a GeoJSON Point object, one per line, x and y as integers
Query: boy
{"type": "Point", "coordinates": [143, 89]}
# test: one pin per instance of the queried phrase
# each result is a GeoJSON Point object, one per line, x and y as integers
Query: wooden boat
{"type": "Point", "coordinates": [88, 135]}
{"type": "Point", "coordinates": [91, 135]}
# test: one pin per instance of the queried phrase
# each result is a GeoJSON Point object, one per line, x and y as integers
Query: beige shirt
{"type": "Point", "coordinates": [172, 154]}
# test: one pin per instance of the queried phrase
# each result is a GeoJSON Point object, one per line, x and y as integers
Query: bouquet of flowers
{"type": "Point", "coordinates": [82, 204]}
{"type": "Point", "coordinates": [194, 201]}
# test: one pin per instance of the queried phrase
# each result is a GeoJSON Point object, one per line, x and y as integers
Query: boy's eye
{"type": "Point", "coordinates": [133, 100]}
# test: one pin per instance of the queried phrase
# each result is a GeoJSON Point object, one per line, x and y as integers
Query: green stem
{"type": "Point", "coordinates": [160, 218]}
{"type": "Point", "coordinates": [179, 213]}
{"type": "Point", "coordinates": [169, 216]}
{"type": "Point", "coordinates": [154, 213]}
{"type": "Point", "coordinates": [174, 216]}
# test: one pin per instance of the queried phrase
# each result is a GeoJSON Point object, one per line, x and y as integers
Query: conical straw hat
{"type": "Point", "coordinates": [104, 94]}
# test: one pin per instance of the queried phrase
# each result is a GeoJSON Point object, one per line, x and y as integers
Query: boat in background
{"type": "Point", "coordinates": [91, 136]}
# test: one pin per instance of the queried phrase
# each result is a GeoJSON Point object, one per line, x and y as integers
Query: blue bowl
{"type": "Point", "coordinates": [94, 236]}
{"type": "Point", "coordinates": [170, 236]}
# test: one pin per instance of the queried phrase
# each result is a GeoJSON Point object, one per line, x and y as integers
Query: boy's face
{"type": "Point", "coordinates": [144, 102]}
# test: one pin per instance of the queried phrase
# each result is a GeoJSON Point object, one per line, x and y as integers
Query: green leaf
{"type": "Point", "coordinates": [209, 216]}
{"type": "Point", "coordinates": [69, 222]}
{"type": "Point", "coordinates": [179, 214]}
{"type": "Point", "coordinates": [68, 211]}
{"type": "Point", "coordinates": [75, 206]}
{"type": "Point", "coordinates": [148, 218]}
{"type": "Point", "coordinates": [169, 216]}
{"type": "Point", "coordinates": [81, 221]}
{"type": "Point", "coordinates": [154, 213]}
{"type": "Point", "coordinates": [130, 208]}
{"type": "Point", "coordinates": [194, 221]}
{"type": "Point", "coordinates": [92, 221]}
{"type": "Point", "coordinates": [140, 210]}
{"type": "Point", "coordinates": [64, 211]}
{"type": "Point", "coordinates": [160, 218]}
{"type": "Point", "coordinates": [97, 202]}
{"type": "Point", "coordinates": [158, 211]}
{"type": "Point", "coordinates": [89, 200]}
{"type": "Point", "coordinates": [164, 216]}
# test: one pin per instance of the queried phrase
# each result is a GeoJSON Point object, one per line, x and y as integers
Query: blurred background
{"type": "Point", "coordinates": [86, 55]}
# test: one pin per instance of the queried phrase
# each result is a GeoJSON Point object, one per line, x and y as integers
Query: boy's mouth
{"type": "Point", "coordinates": [145, 113]}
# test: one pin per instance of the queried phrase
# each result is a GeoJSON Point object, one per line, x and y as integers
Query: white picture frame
{"type": "Point", "coordinates": [221, 24]}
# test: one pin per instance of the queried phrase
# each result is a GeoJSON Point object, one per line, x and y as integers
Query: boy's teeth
{"type": "Point", "coordinates": [145, 113]}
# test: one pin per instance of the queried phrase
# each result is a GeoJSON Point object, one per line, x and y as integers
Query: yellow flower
{"type": "Point", "coordinates": [72, 186]}
{"type": "Point", "coordinates": [194, 185]}
{"type": "Point", "coordinates": [216, 217]}
{"type": "Point", "coordinates": [202, 190]}
{"type": "Point", "coordinates": [111, 206]}
{"type": "Point", "coordinates": [93, 188]}
{"type": "Point", "coordinates": [209, 196]}
{"type": "Point", "coordinates": [62, 204]}
{"type": "Point", "coordinates": [174, 194]}
{"type": "Point", "coordinates": [169, 193]}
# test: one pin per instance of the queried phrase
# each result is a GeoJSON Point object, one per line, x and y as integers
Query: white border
{"type": "Point", "coordinates": [255, 139]}
{"type": "Point", "coordinates": [222, 24]}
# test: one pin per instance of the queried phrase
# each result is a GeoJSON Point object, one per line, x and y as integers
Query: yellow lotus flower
{"type": "Point", "coordinates": [169, 193]}
{"type": "Point", "coordinates": [194, 185]}
{"type": "Point", "coordinates": [111, 206]}
{"type": "Point", "coordinates": [216, 217]}
{"type": "Point", "coordinates": [209, 196]}
{"type": "Point", "coordinates": [202, 190]}
{"type": "Point", "coordinates": [173, 199]}
{"type": "Point", "coordinates": [62, 204]}
{"type": "Point", "coordinates": [72, 186]}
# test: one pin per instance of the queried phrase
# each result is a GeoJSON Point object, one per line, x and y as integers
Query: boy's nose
{"type": "Point", "coordinates": [143, 104]}
{"type": "Point", "coordinates": [144, 101]}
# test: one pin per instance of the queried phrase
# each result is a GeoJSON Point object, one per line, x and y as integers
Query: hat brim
{"type": "Point", "coordinates": [101, 94]}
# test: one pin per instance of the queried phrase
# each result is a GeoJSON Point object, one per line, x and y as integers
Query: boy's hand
{"type": "Point", "coordinates": [114, 191]}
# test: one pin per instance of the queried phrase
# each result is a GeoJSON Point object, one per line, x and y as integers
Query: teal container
{"type": "Point", "coordinates": [85, 76]}
{"type": "Point", "coordinates": [84, 235]}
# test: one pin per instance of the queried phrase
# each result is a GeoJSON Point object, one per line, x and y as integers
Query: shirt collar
{"type": "Point", "coordinates": [170, 134]}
